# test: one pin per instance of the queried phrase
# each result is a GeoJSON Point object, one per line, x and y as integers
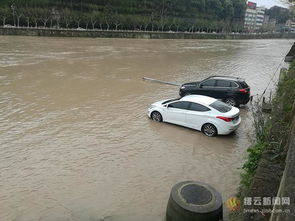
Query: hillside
{"type": "Point", "coordinates": [163, 15]}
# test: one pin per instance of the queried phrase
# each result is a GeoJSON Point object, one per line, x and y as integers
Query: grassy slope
{"type": "Point", "coordinates": [265, 163]}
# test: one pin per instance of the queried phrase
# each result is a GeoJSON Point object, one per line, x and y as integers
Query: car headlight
{"type": "Point", "coordinates": [183, 87]}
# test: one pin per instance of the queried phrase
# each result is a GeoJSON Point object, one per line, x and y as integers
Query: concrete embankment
{"type": "Point", "coordinates": [287, 185]}
{"type": "Point", "coordinates": [273, 184]}
{"type": "Point", "coordinates": [291, 55]}
{"type": "Point", "coordinates": [134, 34]}
{"type": "Point", "coordinates": [275, 179]}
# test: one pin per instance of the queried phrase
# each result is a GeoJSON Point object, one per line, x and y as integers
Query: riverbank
{"type": "Point", "coordinates": [267, 170]}
{"type": "Point", "coordinates": [135, 34]}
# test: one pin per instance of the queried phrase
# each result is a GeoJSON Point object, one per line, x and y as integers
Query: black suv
{"type": "Point", "coordinates": [232, 90]}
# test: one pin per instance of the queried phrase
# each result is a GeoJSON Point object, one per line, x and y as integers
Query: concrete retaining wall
{"type": "Point", "coordinates": [287, 186]}
{"type": "Point", "coordinates": [134, 34]}
{"type": "Point", "coordinates": [291, 55]}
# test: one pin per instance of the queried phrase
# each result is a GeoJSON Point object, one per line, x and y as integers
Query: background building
{"type": "Point", "coordinates": [260, 16]}
{"type": "Point", "coordinates": [250, 16]}
{"type": "Point", "coordinates": [269, 24]}
{"type": "Point", "coordinates": [290, 26]}
{"type": "Point", "coordinates": [254, 17]}
{"type": "Point", "coordinates": [261, 19]}
{"type": "Point", "coordinates": [278, 19]}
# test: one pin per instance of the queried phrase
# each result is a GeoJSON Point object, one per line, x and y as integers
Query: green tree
{"type": "Point", "coordinates": [77, 17]}
{"type": "Point", "coordinates": [108, 14]}
{"type": "Point", "coordinates": [4, 13]}
{"type": "Point", "coordinates": [27, 15]}
{"type": "Point", "coordinates": [36, 14]}
{"type": "Point", "coordinates": [177, 15]}
{"type": "Point", "coordinates": [45, 15]}
{"type": "Point", "coordinates": [146, 20]}
{"type": "Point", "coordinates": [116, 19]}
{"type": "Point", "coordinates": [228, 9]}
{"type": "Point", "coordinates": [67, 18]}
{"type": "Point", "coordinates": [94, 17]}
{"type": "Point", "coordinates": [239, 7]}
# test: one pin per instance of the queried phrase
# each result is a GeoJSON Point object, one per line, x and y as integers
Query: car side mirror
{"type": "Point", "coordinates": [201, 86]}
{"type": "Point", "coordinates": [166, 105]}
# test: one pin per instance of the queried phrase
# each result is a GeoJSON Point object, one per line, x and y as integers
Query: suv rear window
{"type": "Point", "coordinates": [223, 83]}
{"type": "Point", "coordinates": [233, 84]}
{"type": "Point", "coordinates": [244, 84]}
{"type": "Point", "coordinates": [208, 83]}
{"type": "Point", "coordinates": [220, 106]}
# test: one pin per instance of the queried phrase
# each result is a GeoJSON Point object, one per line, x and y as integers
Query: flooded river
{"type": "Point", "coordinates": [75, 140]}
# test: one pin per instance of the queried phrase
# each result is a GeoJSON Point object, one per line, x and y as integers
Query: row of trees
{"type": "Point", "coordinates": [145, 15]}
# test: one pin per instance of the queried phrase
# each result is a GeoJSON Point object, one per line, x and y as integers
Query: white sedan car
{"type": "Point", "coordinates": [198, 112]}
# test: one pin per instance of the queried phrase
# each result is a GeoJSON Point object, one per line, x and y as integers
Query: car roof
{"type": "Point", "coordinates": [199, 99]}
{"type": "Point", "coordinates": [226, 78]}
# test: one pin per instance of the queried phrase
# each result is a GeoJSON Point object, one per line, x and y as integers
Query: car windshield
{"type": "Point", "coordinates": [168, 101]}
{"type": "Point", "coordinates": [220, 106]}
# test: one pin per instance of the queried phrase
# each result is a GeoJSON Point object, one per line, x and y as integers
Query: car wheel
{"type": "Point", "coordinates": [156, 116]}
{"type": "Point", "coordinates": [231, 101]}
{"type": "Point", "coordinates": [209, 130]}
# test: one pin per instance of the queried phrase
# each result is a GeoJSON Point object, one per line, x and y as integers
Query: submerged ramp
{"type": "Point", "coordinates": [161, 82]}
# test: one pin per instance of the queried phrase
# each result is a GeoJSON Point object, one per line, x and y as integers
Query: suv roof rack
{"type": "Point", "coordinates": [228, 77]}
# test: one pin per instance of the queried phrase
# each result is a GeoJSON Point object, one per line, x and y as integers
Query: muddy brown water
{"type": "Point", "coordinates": [75, 141]}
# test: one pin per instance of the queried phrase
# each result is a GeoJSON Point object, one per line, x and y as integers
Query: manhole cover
{"type": "Point", "coordinates": [195, 194]}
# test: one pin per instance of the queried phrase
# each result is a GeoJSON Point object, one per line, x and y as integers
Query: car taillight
{"type": "Point", "coordinates": [243, 91]}
{"type": "Point", "coordinates": [226, 119]}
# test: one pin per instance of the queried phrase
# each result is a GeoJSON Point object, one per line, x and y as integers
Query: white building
{"type": "Point", "coordinates": [260, 13]}
{"type": "Point", "coordinates": [250, 16]}
{"type": "Point", "coordinates": [250, 19]}
{"type": "Point", "coordinates": [290, 26]}
{"type": "Point", "coordinates": [254, 16]}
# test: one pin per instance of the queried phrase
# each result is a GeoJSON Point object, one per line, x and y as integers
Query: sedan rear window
{"type": "Point", "coordinates": [220, 106]}
{"type": "Point", "coordinates": [198, 107]}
